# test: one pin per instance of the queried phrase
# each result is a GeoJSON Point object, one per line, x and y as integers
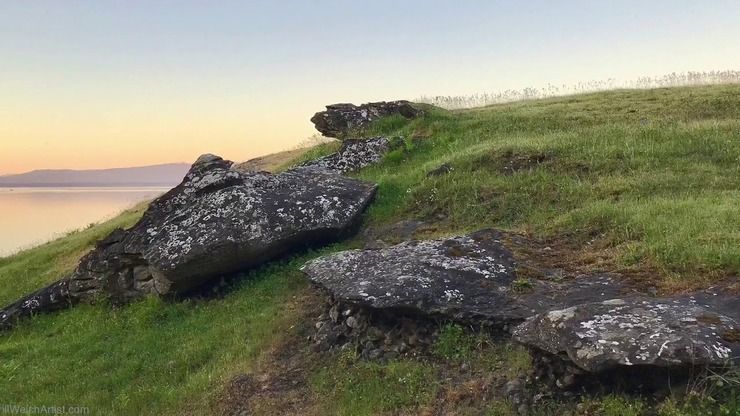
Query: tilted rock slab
{"type": "Point", "coordinates": [353, 155]}
{"type": "Point", "coordinates": [50, 298]}
{"type": "Point", "coordinates": [634, 331]}
{"type": "Point", "coordinates": [468, 279]}
{"type": "Point", "coordinates": [217, 221]}
{"type": "Point", "coordinates": [340, 120]}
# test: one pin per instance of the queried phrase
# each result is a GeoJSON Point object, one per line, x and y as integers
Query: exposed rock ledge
{"type": "Point", "coordinates": [341, 120]}
{"type": "Point", "coordinates": [470, 279]}
{"type": "Point", "coordinates": [217, 221]}
{"type": "Point", "coordinates": [353, 155]}
{"type": "Point", "coordinates": [593, 321]}
{"type": "Point", "coordinates": [635, 331]}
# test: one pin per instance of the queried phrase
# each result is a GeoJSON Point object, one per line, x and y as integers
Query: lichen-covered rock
{"type": "Point", "coordinates": [340, 120]}
{"type": "Point", "coordinates": [470, 279]}
{"type": "Point", "coordinates": [353, 155]}
{"type": "Point", "coordinates": [637, 331]}
{"type": "Point", "coordinates": [217, 221]}
{"type": "Point", "coordinates": [52, 297]}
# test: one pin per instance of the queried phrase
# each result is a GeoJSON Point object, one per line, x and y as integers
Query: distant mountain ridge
{"type": "Point", "coordinates": [168, 174]}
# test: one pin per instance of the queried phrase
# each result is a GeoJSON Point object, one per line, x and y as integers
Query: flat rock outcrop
{"type": "Point", "coordinates": [219, 221]}
{"type": "Point", "coordinates": [636, 331]}
{"type": "Point", "coordinates": [341, 120]}
{"type": "Point", "coordinates": [353, 155]}
{"type": "Point", "coordinates": [470, 279]}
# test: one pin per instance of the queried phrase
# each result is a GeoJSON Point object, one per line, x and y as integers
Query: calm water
{"type": "Point", "coordinates": [30, 216]}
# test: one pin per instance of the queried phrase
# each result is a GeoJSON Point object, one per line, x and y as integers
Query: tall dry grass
{"type": "Point", "coordinates": [453, 102]}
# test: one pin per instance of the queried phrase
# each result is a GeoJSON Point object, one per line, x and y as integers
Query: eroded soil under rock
{"type": "Point", "coordinates": [389, 299]}
{"type": "Point", "coordinates": [280, 382]}
{"type": "Point", "coordinates": [278, 385]}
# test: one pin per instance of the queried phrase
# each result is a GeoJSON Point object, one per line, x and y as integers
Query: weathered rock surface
{"type": "Point", "coordinates": [470, 279]}
{"type": "Point", "coordinates": [373, 334]}
{"type": "Point", "coordinates": [218, 221]}
{"type": "Point", "coordinates": [340, 120]}
{"type": "Point", "coordinates": [637, 331]}
{"type": "Point", "coordinates": [50, 298]}
{"type": "Point", "coordinates": [353, 155]}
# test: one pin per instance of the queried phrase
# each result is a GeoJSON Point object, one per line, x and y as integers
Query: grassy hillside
{"type": "Point", "coordinates": [272, 161]}
{"type": "Point", "coordinates": [646, 183]}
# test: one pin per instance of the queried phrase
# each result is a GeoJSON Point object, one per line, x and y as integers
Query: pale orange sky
{"type": "Point", "coordinates": [112, 84]}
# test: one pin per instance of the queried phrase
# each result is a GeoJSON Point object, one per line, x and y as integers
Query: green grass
{"type": "Point", "coordinates": [150, 357]}
{"type": "Point", "coordinates": [653, 175]}
{"type": "Point", "coordinates": [367, 388]}
{"type": "Point", "coordinates": [454, 343]}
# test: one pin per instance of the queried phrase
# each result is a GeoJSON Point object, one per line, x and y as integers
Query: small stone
{"type": "Point", "coordinates": [351, 322]}
{"type": "Point", "coordinates": [334, 314]}
{"type": "Point", "coordinates": [440, 170]}
{"type": "Point", "coordinates": [375, 334]}
{"type": "Point", "coordinates": [375, 354]}
{"type": "Point", "coordinates": [566, 381]}
{"type": "Point", "coordinates": [513, 387]}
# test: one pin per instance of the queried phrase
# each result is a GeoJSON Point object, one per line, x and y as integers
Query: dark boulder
{"type": "Point", "coordinates": [219, 221]}
{"type": "Point", "coordinates": [341, 120]}
{"type": "Point", "coordinates": [470, 279]}
{"type": "Point", "coordinates": [637, 331]}
{"type": "Point", "coordinates": [353, 155]}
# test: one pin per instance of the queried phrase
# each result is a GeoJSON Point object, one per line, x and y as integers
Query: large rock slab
{"type": "Point", "coordinates": [340, 120]}
{"type": "Point", "coordinates": [470, 279]}
{"type": "Point", "coordinates": [636, 331]}
{"type": "Point", "coordinates": [353, 155]}
{"type": "Point", "coordinates": [217, 221]}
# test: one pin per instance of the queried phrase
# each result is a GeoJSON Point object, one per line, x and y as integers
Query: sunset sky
{"type": "Point", "coordinates": [93, 84]}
